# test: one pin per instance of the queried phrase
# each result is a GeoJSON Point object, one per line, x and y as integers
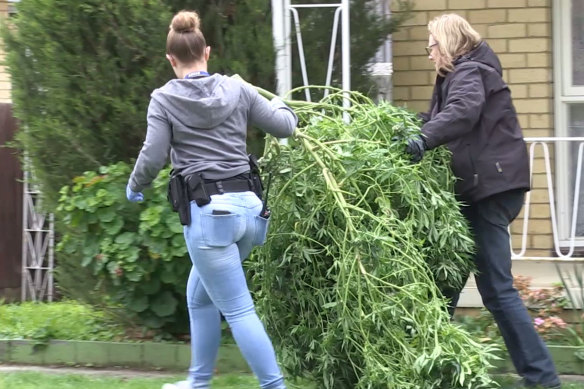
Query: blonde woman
{"type": "Point", "coordinates": [473, 115]}
{"type": "Point", "coordinates": [201, 119]}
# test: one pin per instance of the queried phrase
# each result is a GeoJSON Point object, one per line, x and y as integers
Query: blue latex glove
{"type": "Point", "coordinates": [416, 148]}
{"type": "Point", "coordinates": [133, 196]}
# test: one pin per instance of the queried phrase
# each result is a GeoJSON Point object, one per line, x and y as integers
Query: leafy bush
{"type": "Point", "coordinates": [136, 250]}
{"type": "Point", "coordinates": [65, 320]}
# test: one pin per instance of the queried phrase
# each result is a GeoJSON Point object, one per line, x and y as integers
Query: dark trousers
{"type": "Point", "coordinates": [489, 220]}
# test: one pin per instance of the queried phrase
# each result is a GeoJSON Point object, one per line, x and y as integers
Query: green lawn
{"type": "Point", "coordinates": [33, 380]}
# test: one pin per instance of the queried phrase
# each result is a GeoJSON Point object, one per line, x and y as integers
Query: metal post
{"type": "Point", "coordinates": [346, 56]}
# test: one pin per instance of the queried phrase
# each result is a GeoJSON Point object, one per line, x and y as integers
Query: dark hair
{"type": "Point", "coordinates": [185, 41]}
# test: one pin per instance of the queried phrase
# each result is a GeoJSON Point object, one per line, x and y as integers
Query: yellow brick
{"type": "Point", "coordinates": [540, 90]}
{"type": "Point", "coordinates": [539, 211]}
{"type": "Point", "coordinates": [514, 30]}
{"type": "Point", "coordinates": [498, 45]}
{"type": "Point", "coordinates": [4, 77]}
{"type": "Point", "coordinates": [529, 45]}
{"type": "Point", "coordinates": [506, 3]}
{"type": "Point", "coordinates": [530, 15]}
{"type": "Point", "coordinates": [533, 105]}
{"type": "Point", "coordinates": [401, 64]}
{"type": "Point", "coordinates": [528, 76]}
{"type": "Point", "coordinates": [517, 230]}
{"type": "Point", "coordinates": [487, 16]}
{"type": "Point", "coordinates": [417, 77]}
{"type": "Point", "coordinates": [541, 241]}
{"type": "Point", "coordinates": [539, 196]}
{"type": "Point", "coordinates": [421, 92]}
{"type": "Point", "coordinates": [419, 33]}
{"type": "Point", "coordinates": [417, 19]}
{"type": "Point", "coordinates": [539, 60]}
{"type": "Point", "coordinates": [401, 93]}
{"type": "Point", "coordinates": [536, 226]}
{"type": "Point", "coordinates": [401, 35]}
{"type": "Point", "coordinates": [465, 4]}
{"type": "Point", "coordinates": [460, 12]}
{"type": "Point", "coordinates": [481, 29]}
{"type": "Point", "coordinates": [540, 121]}
{"type": "Point", "coordinates": [539, 181]}
{"type": "Point", "coordinates": [421, 63]}
{"type": "Point", "coordinates": [519, 91]}
{"type": "Point", "coordinates": [538, 133]}
{"type": "Point", "coordinates": [408, 48]}
{"type": "Point", "coordinates": [416, 106]}
{"type": "Point", "coordinates": [539, 167]}
{"type": "Point", "coordinates": [539, 3]}
{"type": "Point", "coordinates": [516, 240]}
{"type": "Point", "coordinates": [523, 120]}
{"type": "Point", "coordinates": [539, 30]}
{"type": "Point", "coordinates": [424, 5]}
{"type": "Point", "coordinates": [506, 75]}
{"type": "Point", "coordinates": [513, 60]}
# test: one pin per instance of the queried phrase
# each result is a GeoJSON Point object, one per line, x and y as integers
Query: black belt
{"type": "Point", "coordinates": [229, 185]}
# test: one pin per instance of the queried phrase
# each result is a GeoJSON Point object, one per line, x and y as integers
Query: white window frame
{"type": "Point", "coordinates": [564, 95]}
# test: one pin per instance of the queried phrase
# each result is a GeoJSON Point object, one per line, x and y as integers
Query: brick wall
{"type": "Point", "coordinates": [4, 78]}
{"type": "Point", "coordinates": [519, 31]}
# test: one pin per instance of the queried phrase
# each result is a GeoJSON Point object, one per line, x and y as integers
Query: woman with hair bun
{"type": "Point", "coordinates": [202, 120]}
{"type": "Point", "coordinates": [473, 115]}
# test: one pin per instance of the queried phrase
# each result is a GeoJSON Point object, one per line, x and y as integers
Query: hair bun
{"type": "Point", "coordinates": [185, 21]}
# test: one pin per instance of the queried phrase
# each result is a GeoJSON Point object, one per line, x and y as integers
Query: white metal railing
{"type": "Point", "coordinates": [564, 247]}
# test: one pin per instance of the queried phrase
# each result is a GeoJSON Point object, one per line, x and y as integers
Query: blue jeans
{"type": "Point", "coordinates": [217, 244]}
{"type": "Point", "coordinates": [489, 220]}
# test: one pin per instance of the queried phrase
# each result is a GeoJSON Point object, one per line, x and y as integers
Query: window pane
{"type": "Point", "coordinates": [577, 42]}
{"type": "Point", "coordinates": [576, 129]}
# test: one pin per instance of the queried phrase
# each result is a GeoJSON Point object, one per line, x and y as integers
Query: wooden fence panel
{"type": "Point", "coordinates": [10, 204]}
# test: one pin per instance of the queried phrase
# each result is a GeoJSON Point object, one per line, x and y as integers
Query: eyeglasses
{"type": "Point", "coordinates": [429, 48]}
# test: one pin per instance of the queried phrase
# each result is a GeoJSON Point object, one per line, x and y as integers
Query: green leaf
{"type": "Point", "coordinates": [126, 238]}
{"type": "Point", "coordinates": [164, 304]}
{"type": "Point", "coordinates": [139, 303]}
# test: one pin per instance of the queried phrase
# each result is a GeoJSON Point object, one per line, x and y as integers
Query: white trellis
{"type": "Point", "coordinates": [37, 243]}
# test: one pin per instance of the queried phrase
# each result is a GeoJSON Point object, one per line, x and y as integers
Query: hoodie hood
{"type": "Point", "coordinates": [200, 103]}
{"type": "Point", "coordinates": [483, 54]}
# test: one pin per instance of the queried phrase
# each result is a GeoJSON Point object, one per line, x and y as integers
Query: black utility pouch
{"type": "Point", "coordinates": [179, 198]}
{"type": "Point", "coordinates": [196, 186]}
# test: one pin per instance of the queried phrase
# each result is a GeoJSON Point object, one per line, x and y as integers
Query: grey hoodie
{"type": "Point", "coordinates": [203, 123]}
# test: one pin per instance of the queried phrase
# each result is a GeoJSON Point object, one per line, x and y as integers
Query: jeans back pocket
{"type": "Point", "coordinates": [261, 230]}
{"type": "Point", "coordinates": [220, 230]}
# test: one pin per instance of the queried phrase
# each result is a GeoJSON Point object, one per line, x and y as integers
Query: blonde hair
{"type": "Point", "coordinates": [455, 37]}
{"type": "Point", "coordinates": [185, 40]}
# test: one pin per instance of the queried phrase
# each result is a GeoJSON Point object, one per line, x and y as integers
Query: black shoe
{"type": "Point", "coordinates": [525, 384]}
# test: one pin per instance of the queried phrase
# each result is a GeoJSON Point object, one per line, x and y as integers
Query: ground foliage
{"type": "Point", "coordinates": [360, 239]}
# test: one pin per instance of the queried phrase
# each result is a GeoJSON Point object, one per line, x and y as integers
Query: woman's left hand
{"type": "Point", "coordinates": [133, 196]}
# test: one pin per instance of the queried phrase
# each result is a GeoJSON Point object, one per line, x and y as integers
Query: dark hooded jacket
{"type": "Point", "coordinates": [472, 113]}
